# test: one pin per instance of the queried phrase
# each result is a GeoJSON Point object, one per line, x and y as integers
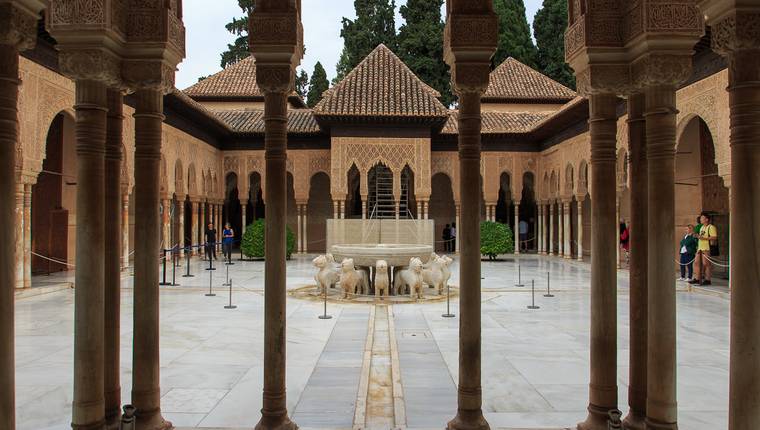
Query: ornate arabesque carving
{"type": "Point", "coordinates": [18, 27]}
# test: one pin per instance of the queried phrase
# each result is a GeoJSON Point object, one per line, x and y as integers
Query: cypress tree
{"type": "Point", "coordinates": [374, 24]}
{"type": "Point", "coordinates": [238, 50]}
{"type": "Point", "coordinates": [317, 85]}
{"type": "Point", "coordinates": [302, 83]}
{"type": "Point", "coordinates": [550, 22]}
{"type": "Point", "coordinates": [514, 33]}
{"type": "Point", "coordinates": [420, 44]}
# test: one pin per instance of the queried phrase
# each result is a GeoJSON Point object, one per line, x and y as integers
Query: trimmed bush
{"type": "Point", "coordinates": [495, 239]}
{"type": "Point", "coordinates": [253, 240]}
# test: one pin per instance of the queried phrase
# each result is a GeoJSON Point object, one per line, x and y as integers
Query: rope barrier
{"type": "Point", "coordinates": [53, 260]}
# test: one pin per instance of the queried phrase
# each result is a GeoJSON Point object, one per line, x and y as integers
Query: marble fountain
{"type": "Point", "coordinates": [362, 268]}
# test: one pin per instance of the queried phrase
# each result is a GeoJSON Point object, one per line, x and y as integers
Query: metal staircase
{"type": "Point", "coordinates": [381, 202]}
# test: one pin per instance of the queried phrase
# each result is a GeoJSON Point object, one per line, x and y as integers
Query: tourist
{"type": "Point", "coordinates": [697, 227]}
{"type": "Point", "coordinates": [453, 239]}
{"type": "Point", "coordinates": [211, 241]}
{"type": "Point", "coordinates": [446, 237]}
{"type": "Point", "coordinates": [228, 237]}
{"type": "Point", "coordinates": [625, 238]}
{"type": "Point", "coordinates": [522, 227]}
{"type": "Point", "coordinates": [708, 238]}
{"type": "Point", "coordinates": [688, 251]}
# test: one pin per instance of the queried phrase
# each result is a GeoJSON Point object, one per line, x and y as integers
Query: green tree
{"type": "Point", "coordinates": [253, 242]}
{"type": "Point", "coordinates": [495, 239]}
{"type": "Point", "coordinates": [420, 45]}
{"type": "Point", "coordinates": [302, 83]}
{"type": "Point", "coordinates": [514, 33]}
{"type": "Point", "coordinates": [318, 85]}
{"type": "Point", "coordinates": [238, 50]}
{"type": "Point", "coordinates": [549, 23]}
{"type": "Point", "coordinates": [374, 24]}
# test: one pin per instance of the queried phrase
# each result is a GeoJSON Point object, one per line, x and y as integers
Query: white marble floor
{"type": "Point", "coordinates": [535, 362]}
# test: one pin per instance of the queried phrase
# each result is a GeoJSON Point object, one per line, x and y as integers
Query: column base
{"type": "Point", "coordinates": [634, 422]}
{"type": "Point", "coordinates": [153, 421]}
{"type": "Point", "coordinates": [276, 423]}
{"type": "Point", "coordinates": [598, 419]}
{"type": "Point", "coordinates": [656, 425]}
{"type": "Point", "coordinates": [468, 420]}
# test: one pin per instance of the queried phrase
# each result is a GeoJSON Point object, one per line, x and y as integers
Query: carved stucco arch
{"type": "Point", "coordinates": [179, 182]}
{"type": "Point", "coordinates": [569, 181]}
{"type": "Point", "coordinates": [446, 163]}
{"type": "Point", "coordinates": [192, 187]}
{"type": "Point", "coordinates": [582, 188]}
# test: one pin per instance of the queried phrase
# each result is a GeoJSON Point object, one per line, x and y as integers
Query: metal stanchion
{"type": "Point", "coordinates": [128, 418]}
{"type": "Point", "coordinates": [230, 306]}
{"type": "Point", "coordinates": [548, 287]}
{"type": "Point", "coordinates": [187, 263]}
{"type": "Point", "coordinates": [324, 316]}
{"type": "Point", "coordinates": [614, 422]}
{"type": "Point", "coordinates": [519, 275]}
{"type": "Point", "coordinates": [174, 269]}
{"type": "Point", "coordinates": [448, 313]}
{"type": "Point", "coordinates": [533, 295]}
{"type": "Point", "coordinates": [163, 282]}
{"type": "Point", "coordinates": [210, 260]}
{"type": "Point", "coordinates": [210, 293]}
{"type": "Point", "coordinates": [228, 277]}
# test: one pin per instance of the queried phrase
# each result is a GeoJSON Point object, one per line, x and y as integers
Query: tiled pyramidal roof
{"type": "Point", "coordinates": [300, 121]}
{"type": "Point", "coordinates": [499, 122]}
{"type": "Point", "coordinates": [513, 81]}
{"type": "Point", "coordinates": [381, 86]}
{"type": "Point", "coordinates": [237, 80]}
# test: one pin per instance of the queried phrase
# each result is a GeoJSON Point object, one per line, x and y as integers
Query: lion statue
{"type": "Point", "coordinates": [382, 281]}
{"type": "Point", "coordinates": [410, 279]}
{"type": "Point", "coordinates": [327, 276]}
{"type": "Point", "coordinates": [352, 280]}
{"type": "Point", "coordinates": [432, 275]}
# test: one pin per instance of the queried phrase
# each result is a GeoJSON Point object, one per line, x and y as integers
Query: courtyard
{"type": "Point", "coordinates": [374, 366]}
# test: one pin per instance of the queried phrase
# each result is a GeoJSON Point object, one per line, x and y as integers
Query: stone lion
{"type": "Point", "coordinates": [382, 281]}
{"type": "Point", "coordinates": [327, 276]}
{"type": "Point", "coordinates": [432, 275]}
{"type": "Point", "coordinates": [352, 280]}
{"type": "Point", "coordinates": [410, 278]}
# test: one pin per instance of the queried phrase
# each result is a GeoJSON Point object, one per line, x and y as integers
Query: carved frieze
{"type": "Point", "coordinates": [735, 32]}
{"type": "Point", "coordinates": [90, 64]}
{"type": "Point", "coordinates": [18, 27]}
{"type": "Point", "coordinates": [275, 78]}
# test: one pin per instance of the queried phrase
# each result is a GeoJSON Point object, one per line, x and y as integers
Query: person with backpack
{"type": "Point", "coordinates": [707, 247]}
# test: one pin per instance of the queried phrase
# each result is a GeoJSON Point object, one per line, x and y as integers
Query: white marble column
{"type": "Point", "coordinates": [305, 229]}
{"type": "Point", "coordinates": [124, 230]}
{"type": "Point", "coordinates": [181, 228]}
{"type": "Point", "coordinates": [567, 232]}
{"type": "Point", "coordinates": [617, 230]}
{"type": "Point", "coordinates": [419, 210]}
{"type": "Point", "coordinates": [335, 209]}
{"type": "Point", "coordinates": [364, 207]}
{"type": "Point", "coordinates": [516, 233]}
{"type": "Point", "coordinates": [27, 235]}
{"type": "Point", "coordinates": [18, 254]}
{"type": "Point", "coordinates": [299, 237]}
{"type": "Point", "coordinates": [244, 218]}
{"type": "Point", "coordinates": [426, 208]}
{"type": "Point", "coordinates": [456, 239]}
{"type": "Point", "coordinates": [194, 240]}
{"type": "Point", "coordinates": [539, 227]}
{"type": "Point", "coordinates": [580, 228]}
{"type": "Point", "coordinates": [551, 228]}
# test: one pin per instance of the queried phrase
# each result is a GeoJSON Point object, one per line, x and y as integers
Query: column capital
{"type": "Point", "coordinates": [734, 27]}
{"type": "Point", "coordinates": [470, 40]}
{"type": "Point", "coordinates": [18, 22]}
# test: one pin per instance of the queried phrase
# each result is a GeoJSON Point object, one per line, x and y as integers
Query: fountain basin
{"type": "Point", "coordinates": [395, 254]}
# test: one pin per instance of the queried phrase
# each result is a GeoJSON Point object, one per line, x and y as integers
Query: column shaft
{"type": "Point", "coordinates": [603, 386]}
{"type": "Point", "coordinates": [568, 234]}
{"type": "Point", "coordinates": [274, 411]}
{"type": "Point", "coordinates": [300, 230]}
{"type": "Point", "coordinates": [125, 230]}
{"type": "Point", "coordinates": [88, 406]}
{"type": "Point", "coordinates": [146, 391]}
{"type": "Point", "coordinates": [579, 206]}
{"type": "Point", "coordinates": [113, 233]}
{"type": "Point", "coordinates": [637, 380]}
{"type": "Point", "coordinates": [469, 413]}
{"type": "Point", "coordinates": [516, 233]}
{"type": "Point", "coordinates": [165, 222]}
{"type": "Point", "coordinates": [195, 241]}
{"type": "Point", "coordinates": [457, 242]}
{"type": "Point", "coordinates": [180, 209]}
{"type": "Point", "coordinates": [305, 229]}
{"type": "Point", "coordinates": [551, 228]}
{"type": "Point", "coordinates": [18, 236]}
{"type": "Point", "coordinates": [661, 310]}
{"type": "Point", "coordinates": [744, 99]}
{"type": "Point", "coordinates": [9, 127]}
{"type": "Point", "coordinates": [27, 235]}
{"type": "Point", "coordinates": [540, 228]}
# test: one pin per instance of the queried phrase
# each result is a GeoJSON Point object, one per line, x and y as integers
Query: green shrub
{"type": "Point", "coordinates": [253, 240]}
{"type": "Point", "coordinates": [495, 239]}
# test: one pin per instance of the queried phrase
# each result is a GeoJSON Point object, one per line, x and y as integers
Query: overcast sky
{"type": "Point", "coordinates": [207, 37]}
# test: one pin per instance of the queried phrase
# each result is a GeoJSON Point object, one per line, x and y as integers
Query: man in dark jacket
{"type": "Point", "coordinates": [687, 252]}
{"type": "Point", "coordinates": [210, 241]}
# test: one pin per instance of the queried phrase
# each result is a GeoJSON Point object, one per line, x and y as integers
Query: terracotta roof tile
{"type": "Point", "coordinates": [514, 81]}
{"type": "Point", "coordinates": [300, 121]}
{"type": "Point", "coordinates": [381, 85]}
{"type": "Point", "coordinates": [237, 80]}
{"type": "Point", "coordinates": [500, 122]}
